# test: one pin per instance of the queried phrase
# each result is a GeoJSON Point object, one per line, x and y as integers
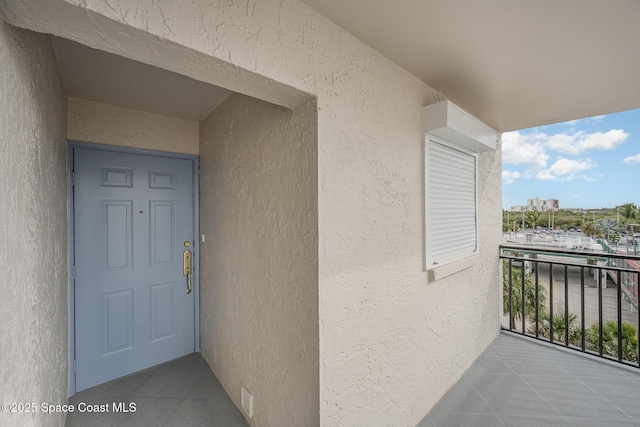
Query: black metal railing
{"type": "Point", "coordinates": [629, 286]}
{"type": "Point", "coordinates": [582, 300]}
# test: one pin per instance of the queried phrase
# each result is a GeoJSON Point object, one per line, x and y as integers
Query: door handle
{"type": "Point", "coordinates": [187, 268]}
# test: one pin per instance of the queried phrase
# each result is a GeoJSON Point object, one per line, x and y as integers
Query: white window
{"type": "Point", "coordinates": [453, 139]}
{"type": "Point", "coordinates": [451, 202]}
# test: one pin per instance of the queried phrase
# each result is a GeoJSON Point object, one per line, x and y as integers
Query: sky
{"type": "Point", "coordinates": [588, 163]}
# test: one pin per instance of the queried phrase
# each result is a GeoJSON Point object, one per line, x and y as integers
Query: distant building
{"type": "Point", "coordinates": [543, 205]}
{"type": "Point", "coordinates": [538, 205]}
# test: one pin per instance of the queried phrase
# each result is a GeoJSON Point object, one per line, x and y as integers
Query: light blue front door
{"type": "Point", "coordinates": [133, 214]}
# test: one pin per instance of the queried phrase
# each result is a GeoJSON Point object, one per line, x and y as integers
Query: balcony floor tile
{"type": "Point", "coordinates": [519, 381]}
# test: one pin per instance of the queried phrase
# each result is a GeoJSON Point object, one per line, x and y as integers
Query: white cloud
{"type": "Point", "coordinates": [566, 166]}
{"type": "Point", "coordinates": [579, 142]}
{"type": "Point", "coordinates": [518, 149]}
{"type": "Point", "coordinates": [562, 142]}
{"type": "Point", "coordinates": [632, 159]}
{"type": "Point", "coordinates": [508, 177]}
{"type": "Point", "coordinates": [591, 120]}
{"type": "Point", "coordinates": [532, 150]}
{"type": "Point", "coordinates": [596, 119]}
{"type": "Point", "coordinates": [604, 141]}
{"type": "Point", "coordinates": [535, 154]}
{"type": "Point", "coordinates": [566, 170]}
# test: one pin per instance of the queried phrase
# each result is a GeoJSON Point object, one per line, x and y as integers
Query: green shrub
{"type": "Point", "coordinates": [610, 340]}
{"type": "Point", "coordinates": [559, 327]}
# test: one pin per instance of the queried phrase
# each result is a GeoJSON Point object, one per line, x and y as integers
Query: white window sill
{"type": "Point", "coordinates": [454, 267]}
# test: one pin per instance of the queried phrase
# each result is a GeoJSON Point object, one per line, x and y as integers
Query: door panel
{"type": "Point", "coordinates": [117, 236]}
{"type": "Point", "coordinates": [162, 232]}
{"type": "Point", "coordinates": [162, 310]}
{"type": "Point", "coordinates": [132, 214]}
{"type": "Point", "coordinates": [116, 321]}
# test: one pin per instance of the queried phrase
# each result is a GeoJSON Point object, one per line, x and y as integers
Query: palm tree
{"type": "Point", "coordinates": [610, 340]}
{"type": "Point", "coordinates": [629, 211]}
{"type": "Point", "coordinates": [615, 238]}
{"type": "Point", "coordinates": [559, 327]}
{"type": "Point", "coordinates": [533, 217]}
{"type": "Point", "coordinates": [589, 229]}
{"type": "Point", "coordinates": [516, 294]}
{"type": "Point", "coordinates": [606, 227]}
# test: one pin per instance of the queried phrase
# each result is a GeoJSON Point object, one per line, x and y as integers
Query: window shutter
{"type": "Point", "coordinates": [451, 204]}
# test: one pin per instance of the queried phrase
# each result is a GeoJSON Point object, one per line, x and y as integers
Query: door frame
{"type": "Point", "coordinates": [71, 146]}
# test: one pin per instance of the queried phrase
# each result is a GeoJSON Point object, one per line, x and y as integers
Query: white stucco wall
{"type": "Point", "coordinates": [33, 228]}
{"type": "Point", "coordinates": [108, 124]}
{"type": "Point", "coordinates": [390, 343]}
{"type": "Point", "coordinates": [259, 265]}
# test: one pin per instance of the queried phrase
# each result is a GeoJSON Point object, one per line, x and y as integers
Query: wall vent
{"type": "Point", "coordinates": [246, 400]}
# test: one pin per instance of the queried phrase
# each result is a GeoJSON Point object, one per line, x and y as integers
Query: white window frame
{"type": "Point", "coordinates": [433, 258]}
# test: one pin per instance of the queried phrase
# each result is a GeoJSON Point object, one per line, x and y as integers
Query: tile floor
{"type": "Point", "coordinates": [183, 392]}
{"type": "Point", "coordinates": [515, 382]}
{"type": "Point", "coordinates": [522, 382]}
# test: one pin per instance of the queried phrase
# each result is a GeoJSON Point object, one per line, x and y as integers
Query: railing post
{"type": "Point", "coordinates": [523, 296]}
{"type": "Point", "coordinates": [511, 294]}
{"type": "Point", "coordinates": [582, 316]}
{"type": "Point", "coordinates": [535, 273]}
{"type": "Point", "coordinates": [566, 305]}
{"type": "Point", "coordinates": [638, 324]}
{"type": "Point", "coordinates": [551, 302]}
{"type": "Point", "coordinates": [619, 303]}
{"type": "Point", "coordinates": [599, 284]}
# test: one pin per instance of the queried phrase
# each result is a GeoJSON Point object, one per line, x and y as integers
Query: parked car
{"type": "Point", "coordinates": [584, 243]}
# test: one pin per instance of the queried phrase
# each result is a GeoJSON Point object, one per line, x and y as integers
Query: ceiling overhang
{"type": "Point", "coordinates": [512, 64]}
{"type": "Point", "coordinates": [99, 76]}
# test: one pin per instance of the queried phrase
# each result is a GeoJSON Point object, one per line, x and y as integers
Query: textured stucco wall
{"type": "Point", "coordinates": [390, 342]}
{"type": "Point", "coordinates": [107, 124]}
{"type": "Point", "coordinates": [33, 228]}
{"type": "Point", "coordinates": [259, 266]}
